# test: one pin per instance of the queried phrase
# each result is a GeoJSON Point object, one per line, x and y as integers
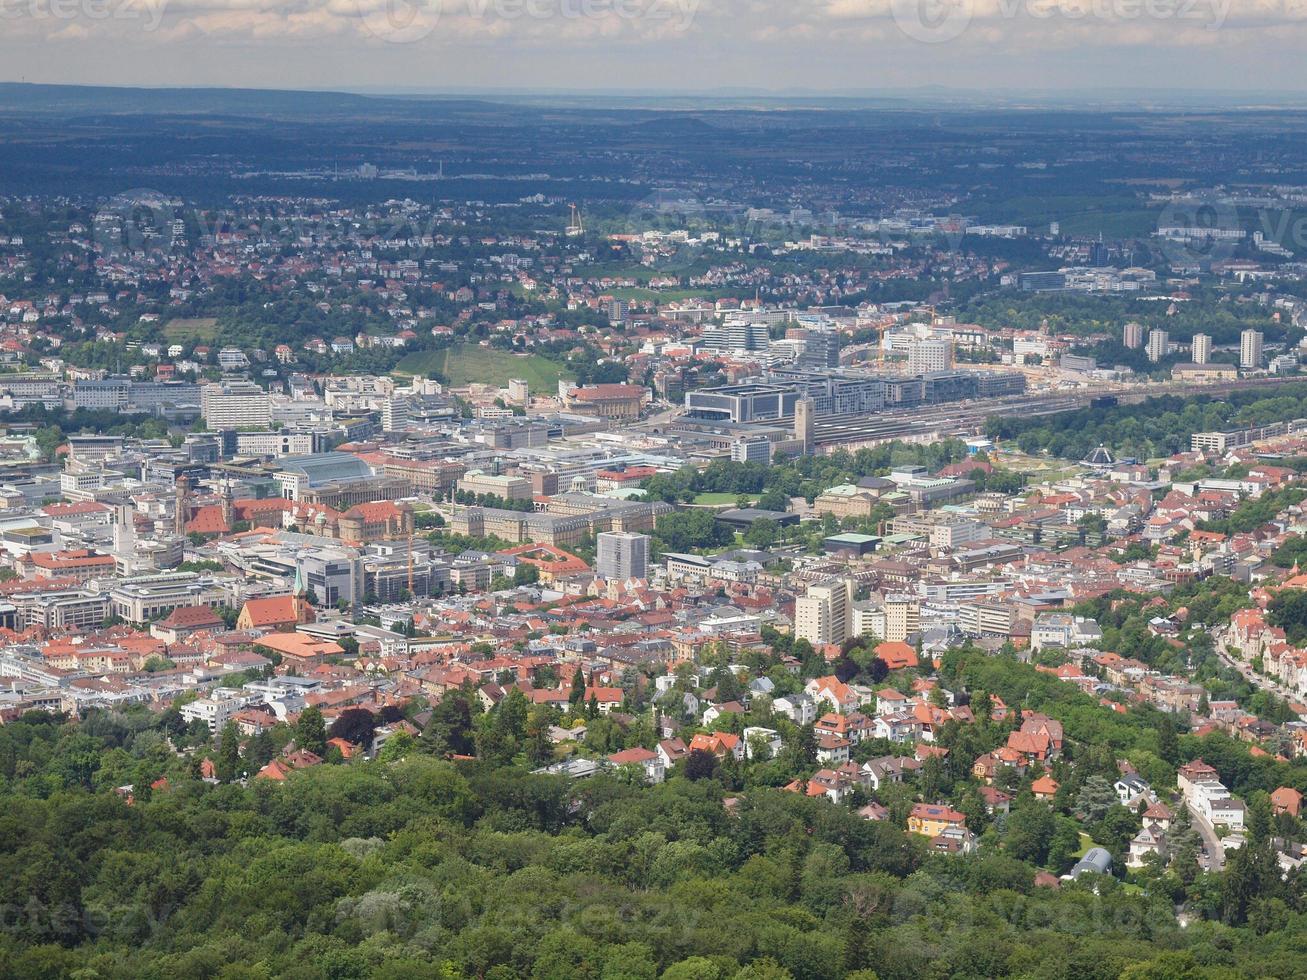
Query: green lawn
{"type": "Point", "coordinates": [721, 499]}
{"type": "Point", "coordinates": [470, 364]}
{"type": "Point", "coordinates": [196, 328]}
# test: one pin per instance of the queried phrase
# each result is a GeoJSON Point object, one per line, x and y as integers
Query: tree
{"type": "Point", "coordinates": [577, 694]}
{"type": "Point", "coordinates": [1096, 797]}
{"type": "Point", "coordinates": [449, 732]}
{"type": "Point", "coordinates": [1030, 831]}
{"type": "Point", "coordinates": [354, 725]}
{"type": "Point", "coordinates": [700, 764]}
{"type": "Point", "coordinates": [229, 754]}
{"type": "Point", "coordinates": [311, 731]}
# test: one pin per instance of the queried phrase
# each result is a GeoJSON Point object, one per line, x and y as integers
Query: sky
{"type": "Point", "coordinates": [659, 45]}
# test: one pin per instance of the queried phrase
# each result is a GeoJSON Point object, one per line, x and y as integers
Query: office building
{"type": "Point", "coordinates": [902, 618]}
{"type": "Point", "coordinates": [751, 451]}
{"type": "Point", "coordinates": [825, 614]}
{"type": "Point", "coordinates": [395, 414]}
{"type": "Point", "coordinates": [932, 354]}
{"type": "Point", "coordinates": [1250, 350]}
{"type": "Point", "coordinates": [1159, 345]}
{"type": "Point", "coordinates": [622, 556]}
{"type": "Point", "coordinates": [1202, 351]}
{"type": "Point", "coordinates": [235, 405]}
{"type": "Point", "coordinates": [821, 349]}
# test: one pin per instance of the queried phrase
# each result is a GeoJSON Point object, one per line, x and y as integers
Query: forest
{"type": "Point", "coordinates": [413, 865]}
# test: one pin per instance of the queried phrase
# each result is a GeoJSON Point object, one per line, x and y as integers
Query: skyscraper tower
{"type": "Point", "coordinates": [182, 504]}
{"type": "Point", "coordinates": [803, 425]}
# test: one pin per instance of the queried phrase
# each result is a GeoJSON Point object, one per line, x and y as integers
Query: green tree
{"type": "Point", "coordinates": [311, 730]}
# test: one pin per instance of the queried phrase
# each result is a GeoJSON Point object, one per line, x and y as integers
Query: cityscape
{"type": "Point", "coordinates": [740, 534]}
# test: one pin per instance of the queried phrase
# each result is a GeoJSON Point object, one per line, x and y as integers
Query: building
{"type": "Point", "coordinates": [622, 555]}
{"type": "Point", "coordinates": [825, 614]}
{"type": "Point", "coordinates": [931, 354]}
{"type": "Point", "coordinates": [1202, 348]}
{"type": "Point", "coordinates": [395, 414]}
{"type": "Point", "coordinates": [804, 419]}
{"type": "Point", "coordinates": [141, 598]}
{"type": "Point", "coordinates": [1132, 335]}
{"type": "Point", "coordinates": [751, 451]}
{"type": "Point", "coordinates": [1250, 350]}
{"type": "Point", "coordinates": [1159, 345]}
{"type": "Point", "coordinates": [902, 618]}
{"type": "Point", "coordinates": [495, 485]}
{"type": "Point", "coordinates": [608, 401]}
{"type": "Point", "coordinates": [235, 405]}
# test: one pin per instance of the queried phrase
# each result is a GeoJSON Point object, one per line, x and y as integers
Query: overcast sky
{"type": "Point", "coordinates": [1080, 45]}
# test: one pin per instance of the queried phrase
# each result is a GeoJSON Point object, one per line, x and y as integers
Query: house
{"type": "Point", "coordinates": [1150, 840]}
{"type": "Point", "coordinates": [1131, 789]}
{"type": "Point", "coordinates": [755, 737]}
{"type": "Point", "coordinates": [278, 769]}
{"type": "Point", "coordinates": [671, 751]}
{"type": "Point", "coordinates": [954, 840]}
{"type": "Point", "coordinates": [836, 693]}
{"type": "Point", "coordinates": [995, 800]}
{"type": "Point", "coordinates": [832, 749]}
{"type": "Point", "coordinates": [932, 819]}
{"type": "Point", "coordinates": [1159, 814]}
{"type": "Point", "coordinates": [1286, 799]}
{"type": "Point", "coordinates": [719, 744]}
{"type": "Point", "coordinates": [799, 708]}
{"type": "Point", "coordinates": [608, 699]}
{"type": "Point", "coordinates": [896, 655]}
{"type": "Point", "coordinates": [650, 763]}
{"type": "Point", "coordinates": [887, 769]}
{"type": "Point", "coordinates": [1045, 788]}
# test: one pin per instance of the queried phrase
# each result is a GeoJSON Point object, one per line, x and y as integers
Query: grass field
{"type": "Point", "coordinates": [721, 499]}
{"type": "Point", "coordinates": [191, 328]}
{"type": "Point", "coordinates": [468, 364]}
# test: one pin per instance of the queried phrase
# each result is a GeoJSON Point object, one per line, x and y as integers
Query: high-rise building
{"type": "Point", "coordinates": [1159, 345]}
{"type": "Point", "coordinates": [804, 416]}
{"type": "Point", "coordinates": [1133, 335]}
{"type": "Point", "coordinates": [902, 617]}
{"type": "Point", "coordinates": [931, 354]}
{"type": "Point", "coordinates": [395, 414]}
{"type": "Point", "coordinates": [1250, 350]}
{"type": "Point", "coordinates": [825, 614]}
{"type": "Point", "coordinates": [1202, 348]}
{"type": "Point", "coordinates": [821, 349]}
{"type": "Point", "coordinates": [235, 405]}
{"type": "Point", "coordinates": [751, 451]}
{"type": "Point", "coordinates": [519, 391]}
{"type": "Point", "coordinates": [622, 555]}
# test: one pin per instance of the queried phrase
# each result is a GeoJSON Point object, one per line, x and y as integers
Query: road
{"type": "Point", "coordinates": [1214, 859]}
{"type": "Point", "coordinates": [1268, 684]}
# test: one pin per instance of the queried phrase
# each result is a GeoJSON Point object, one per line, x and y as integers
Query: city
{"type": "Point", "coordinates": [609, 535]}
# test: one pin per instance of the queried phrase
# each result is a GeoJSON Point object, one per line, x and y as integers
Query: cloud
{"type": "Point", "coordinates": [826, 43]}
